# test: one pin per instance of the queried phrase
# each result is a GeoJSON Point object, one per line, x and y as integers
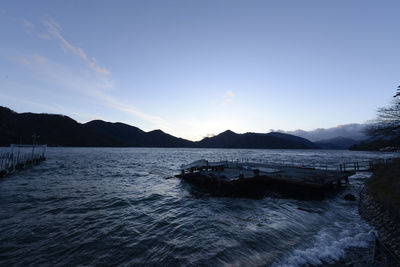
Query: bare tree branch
{"type": "Point", "coordinates": [387, 122]}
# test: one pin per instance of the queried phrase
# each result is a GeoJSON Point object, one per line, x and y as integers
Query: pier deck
{"type": "Point", "coordinates": [253, 179]}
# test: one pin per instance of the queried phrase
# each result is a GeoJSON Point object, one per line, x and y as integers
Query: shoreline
{"type": "Point", "coordinates": [379, 206]}
{"type": "Point", "coordinates": [380, 219]}
{"type": "Point", "coordinates": [384, 247]}
{"type": "Point", "coordinates": [384, 250]}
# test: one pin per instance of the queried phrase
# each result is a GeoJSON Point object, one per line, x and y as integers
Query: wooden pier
{"type": "Point", "coordinates": [20, 157]}
{"type": "Point", "coordinates": [365, 166]}
{"type": "Point", "coordinates": [251, 179]}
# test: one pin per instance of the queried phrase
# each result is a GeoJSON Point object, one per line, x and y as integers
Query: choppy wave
{"type": "Point", "coordinates": [106, 206]}
{"type": "Point", "coordinates": [327, 248]}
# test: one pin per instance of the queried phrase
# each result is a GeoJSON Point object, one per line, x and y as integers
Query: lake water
{"type": "Point", "coordinates": [113, 206]}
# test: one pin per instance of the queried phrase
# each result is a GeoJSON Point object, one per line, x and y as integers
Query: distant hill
{"type": "Point", "coordinates": [378, 144]}
{"type": "Point", "coordinates": [353, 131]}
{"type": "Point", "coordinates": [59, 130]}
{"type": "Point", "coordinates": [229, 139]}
{"type": "Point", "coordinates": [55, 130]}
{"type": "Point", "coordinates": [339, 142]}
{"type": "Point", "coordinates": [130, 136]}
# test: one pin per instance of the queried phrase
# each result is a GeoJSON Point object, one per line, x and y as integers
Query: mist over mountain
{"type": "Point", "coordinates": [353, 131]}
{"type": "Point", "coordinates": [339, 142]}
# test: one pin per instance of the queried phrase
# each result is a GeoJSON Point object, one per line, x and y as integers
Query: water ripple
{"type": "Point", "coordinates": [109, 206]}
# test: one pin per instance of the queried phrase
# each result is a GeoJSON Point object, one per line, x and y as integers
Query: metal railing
{"type": "Point", "coordinates": [357, 166]}
{"type": "Point", "coordinates": [387, 258]}
{"type": "Point", "coordinates": [369, 165]}
{"type": "Point", "coordinates": [20, 157]}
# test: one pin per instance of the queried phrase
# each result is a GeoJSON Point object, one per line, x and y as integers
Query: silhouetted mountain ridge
{"type": "Point", "coordinates": [274, 140]}
{"type": "Point", "coordinates": [60, 130]}
{"type": "Point", "coordinates": [55, 130]}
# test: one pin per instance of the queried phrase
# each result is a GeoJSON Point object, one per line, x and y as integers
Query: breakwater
{"type": "Point", "coordinates": [379, 205]}
{"type": "Point", "coordinates": [20, 157]}
{"type": "Point", "coordinates": [388, 241]}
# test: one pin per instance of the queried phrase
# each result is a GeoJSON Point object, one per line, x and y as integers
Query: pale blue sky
{"type": "Point", "coordinates": [193, 68]}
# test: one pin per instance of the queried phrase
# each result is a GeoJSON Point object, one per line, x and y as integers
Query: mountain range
{"type": "Point", "coordinates": [339, 142]}
{"type": "Point", "coordinates": [60, 130]}
{"type": "Point", "coordinates": [354, 131]}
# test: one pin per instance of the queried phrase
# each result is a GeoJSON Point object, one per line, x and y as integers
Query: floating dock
{"type": "Point", "coordinates": [20, 157]}
{"type": "Point", "coordinates": [256, 180]}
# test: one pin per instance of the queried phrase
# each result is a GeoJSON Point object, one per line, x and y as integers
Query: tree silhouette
{"type": "Point", "coordinates": [387, 122]}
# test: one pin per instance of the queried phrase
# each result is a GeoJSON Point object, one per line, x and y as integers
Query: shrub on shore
{"type": "Point", "coordinates": [384, 186]}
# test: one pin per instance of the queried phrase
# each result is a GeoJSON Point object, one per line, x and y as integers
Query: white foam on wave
{"type": "Point", "coordinates": [341, 229]}
{"type": "Point", "coordinates": [326, 248]}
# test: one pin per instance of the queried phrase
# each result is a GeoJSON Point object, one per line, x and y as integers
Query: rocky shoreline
{"type": "Point", "coordinates": [378, 217]}
{"type": "Point", "coordinates": [378, 253]}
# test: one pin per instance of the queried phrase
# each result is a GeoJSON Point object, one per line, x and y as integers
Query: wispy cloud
{"type": "Point", "coordinates": [28, 24]}
{"type": "Point", "coordinates": [119, 105]}
{"type": "Point", "coordinates": [54, 31]}
{"type": "Point", "coordinates": [229, 96]}
{"type": "Point", "coordinates": [57, 109]}
{"type": "Point", "coordinates": [9, 98]}
{"type": "Point", "coordinates": [44, 36]}
{"type": "Point", "coordinates": [39, 58]}
{"type": "Point", "coordinates": [22, 60]}
{"type": "Point", "coordinates": [63, 77]}
{"type": "Point", "coordinates": [226, 99]}
{"type": "Point", "coordinates": [95, 87]}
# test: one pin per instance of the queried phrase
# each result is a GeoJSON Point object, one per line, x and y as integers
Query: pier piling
{"type": "Point", "coordinates": [21, 156]}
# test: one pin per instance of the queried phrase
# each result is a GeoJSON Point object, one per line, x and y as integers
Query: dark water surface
{"type": "Point", "coordinates": [113, 206]}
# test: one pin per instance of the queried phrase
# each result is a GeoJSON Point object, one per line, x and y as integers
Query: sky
{"type": "Point", "coordinates": [197, 68]}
